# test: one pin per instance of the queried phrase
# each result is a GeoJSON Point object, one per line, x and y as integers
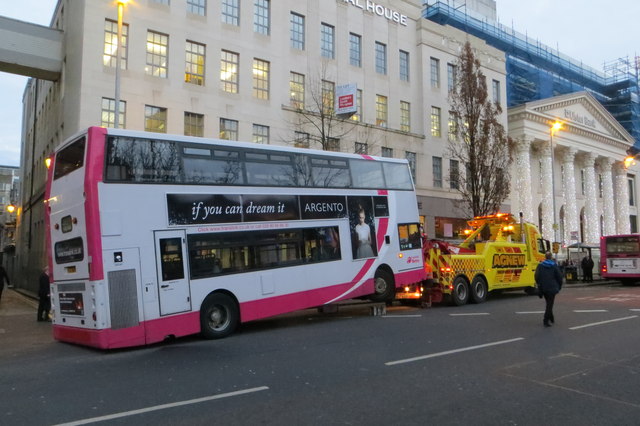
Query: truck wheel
{"type": "Point", "coordinates": [460, 293]}
{"type": "Point", "coordinates": [479, 289]}
{"type": "Point", "coordinates": [383, 287]}
{"type": "Point", "coordinates": [218, 316]}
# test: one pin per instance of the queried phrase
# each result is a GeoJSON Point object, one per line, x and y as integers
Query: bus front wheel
{"type": "Point", "coordinates": [383, 286]}
{"type": "Point", "coordinates": [218, 316]}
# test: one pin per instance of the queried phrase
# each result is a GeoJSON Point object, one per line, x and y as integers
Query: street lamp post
{"type": "Point", "coordinates": [116, 120]}
{"type": "Point", "coordinates": [554, 128]}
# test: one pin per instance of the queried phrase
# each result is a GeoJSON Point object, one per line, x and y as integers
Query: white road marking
{"type": "Point", "coordinates": [529, 312]}
{"type": "Point", "coordinates": [634, 310]}
{"type": "Point", "coordinates": [472, 314]}
{"type": "Point", "coordinates": [401, 316]}
{"type": "Point", "coordinates": [453, 351]}
{"type": "Point", "coordinates": [602, 322]}
{"type": "Point", "coordinates": [582, 311]}
{"type": "Point", "coordinates": [162, 407]}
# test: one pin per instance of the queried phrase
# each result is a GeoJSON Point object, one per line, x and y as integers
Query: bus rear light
{"type": "Point", "coordinates": [406, 289]}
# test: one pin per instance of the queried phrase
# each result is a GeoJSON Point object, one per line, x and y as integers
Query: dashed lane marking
{"type": "Point", "coordinates": [602, 322]}
{"type": "Point", "coordinates": [163, 407]}
{"type": "Point", "coordinates": [529, 312]}
{"type": "Point", "coordinates": [453, 351]}
{"type": "Point", "coordinates": [473, 314]}
{"type": "Point", "coordinates": [584, 311]}
{"type": "Point", "coordinates": [401, 316]}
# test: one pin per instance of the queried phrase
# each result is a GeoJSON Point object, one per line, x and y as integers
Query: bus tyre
{"type": "Point", "coordinates": [460, 293]}
{"type": "Point", "coordinates": [383, 287]}
{"type": "Point", "coordinates": [479, 289]}
{"type": "Point", "coordinates": [218, 316]}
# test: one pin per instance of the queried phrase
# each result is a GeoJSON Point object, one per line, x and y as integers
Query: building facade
{"type": "Point", "coordinates": [245, 70]}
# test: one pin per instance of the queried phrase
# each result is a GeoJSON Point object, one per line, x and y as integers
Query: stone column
{"type": "Point", "coordinates": [571, 222]}
{"type": "Point", "coordinates": [522, 170]}
{"type": "Point", "coordinates": [592, 222]}
{"type": "Point", "coordinates": [608, 210]}
{"type": "Point", "coordinates": [621, 199]}
{"type": "Point", "coordinates": [547, 192]}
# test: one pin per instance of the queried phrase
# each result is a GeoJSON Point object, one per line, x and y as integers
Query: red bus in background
{"type": "Point", "coordinates": [620, 258]}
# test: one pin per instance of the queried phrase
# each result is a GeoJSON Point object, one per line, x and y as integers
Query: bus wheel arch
{"type": "Point", "coordinates": [383, 285]}
{"type": "Point", "coordinates": [479, 289]}
{"type": "Point", "coordinates": [219, 315]}
{"type": "Point", "coordinates": [460, 292]}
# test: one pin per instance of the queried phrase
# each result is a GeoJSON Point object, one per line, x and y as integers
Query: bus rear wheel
{"type": "Point", "coordinates": [460, 293]}
{"type": "Point", "coordinates": [218, 316]}
{"type": "Point", "coordinates": [383, 286]}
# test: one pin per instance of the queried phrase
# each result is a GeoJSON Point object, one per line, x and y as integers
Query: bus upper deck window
{"type": "Point", "coordinates": [69, 158]}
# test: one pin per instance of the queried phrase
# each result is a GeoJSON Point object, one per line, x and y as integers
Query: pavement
{"type": "Point", "coordinates": [20, 331]}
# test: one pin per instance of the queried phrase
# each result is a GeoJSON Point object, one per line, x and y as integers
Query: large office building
{"type": "Point", "coordinates": [260, 70]}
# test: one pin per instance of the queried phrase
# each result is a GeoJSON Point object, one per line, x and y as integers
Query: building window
{"type": "Point", "coordinates": [157, 46]}
{"type": "Point", "coordinates": [361, 148]}
{"type": "Point", "coordinates": [404, 65]}
{"type": "Point", "coordinates": [495, 85]}
{"type": "Point", "coordinates": [357, 117]}
{"type": "Point", "coordinates": [435, 73]}
{"type": "Point", "coordinates": [231, 12]}
{"type": "Point", "coordinates": [229, 62]}
{"type": "Point", "coordinates": [600, 187]}
{"type": "Point", "coordinates": [197, 7]}
{"type": "Point", "coordinates": [194, 63]}
{"type": "Point", "coordinates": [327, 41]}
{"type": "Point", "coordinates": [435, 121]}
{"type": "Point", "coordinates": [411, 158]}
{"type": "Point", "coordinates": [109, 113]}
{"type": "Point", "coordinates": [454, 174]}
{"type": "Point", "coordinates": [261, 17]}
{"type": "Point", "coordinates": [332, 144]}
{"type": "Point", "coordinates": [260, 79]}
{"type": "Point", "coordinates": [582, 181]}
{"type": "Point", "coordinates": [452, 127]}
{"type": "Point", "coordinates": [355, 50]}
{"type": "Point", "coordinates": [111, 44]}
{"type": "Point", "coordinates": [633, 223]}
{"type": "Point", "coordinates": [296, 90]}
{"type": "Point", "coordinates": [297, 31]}
{"type": "Point", "coordinates": [301, 140]}
{"type": "Point", "coordinates": [437, 172]}
{"type": "Point", "coordinates": [632, 186]}
{"type": "Point", "coordinates": [452, 72]}
{"type": "Point", "coordinates": [155, 119]}
{"type": "Point", "coordinates": [381, 111]}
{"type": "Point", "coordinates": [228, 129]}
{"type": "Point", "coordinates": [260, 134]}
{"type": "Point", "coordinates": [405, 116]}
{"type": "Point", "coordinates": [193, 124]}
{"type": "Point", "coordinates": [328, 96]}
{"type": "Point", "coordinates": [381, 58]}
{"type": "Point", "coordinates": [386, 152]}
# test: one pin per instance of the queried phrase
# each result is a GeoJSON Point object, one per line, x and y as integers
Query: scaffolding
{"type": "Point", "coordinates": [536, 71]}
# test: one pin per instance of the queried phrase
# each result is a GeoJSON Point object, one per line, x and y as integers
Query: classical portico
{"type": "Point", "coordinates": [572, 181]}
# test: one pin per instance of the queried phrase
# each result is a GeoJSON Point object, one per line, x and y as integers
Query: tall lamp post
{"type": "Point", "coordinates": [116, 120]}
{"type": "Point", "coordinates": [556, 126]}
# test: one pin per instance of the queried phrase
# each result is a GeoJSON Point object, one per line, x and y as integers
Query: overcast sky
{"type": "Point", "coordinates": [582, 29]}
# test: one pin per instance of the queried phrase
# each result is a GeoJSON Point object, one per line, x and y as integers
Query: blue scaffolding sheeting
{"type": "Point", "coordinates": [536, 71]}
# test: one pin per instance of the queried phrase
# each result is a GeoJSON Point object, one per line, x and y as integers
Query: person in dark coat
{"type": "Point", "coordinates": [3, 277]}
{"type": "Point", "coordinates": [44, 304]}
{"type": "Point", "coordinates": [549, 282]}
{"type": "Point", "coordinates": [587, 267]}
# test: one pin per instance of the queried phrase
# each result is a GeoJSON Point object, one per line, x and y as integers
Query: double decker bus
{"type": "Point", "coordinates": [153, 236]}
{"type": "Point", "coordinates": [620, 258]}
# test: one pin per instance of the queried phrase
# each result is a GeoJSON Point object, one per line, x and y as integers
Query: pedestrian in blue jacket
{"type": "Point", "coordinates": [549, 282]}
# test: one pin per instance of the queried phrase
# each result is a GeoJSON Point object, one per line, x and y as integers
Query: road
{"type": "Point", "coordinates": [487, 364]}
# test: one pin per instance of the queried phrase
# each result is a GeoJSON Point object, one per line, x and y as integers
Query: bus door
{"type": "Point", "coordinates": [171, 266]}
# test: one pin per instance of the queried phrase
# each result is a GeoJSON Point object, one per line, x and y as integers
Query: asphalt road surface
{"type": "Point", "coordinates": [487, 364]}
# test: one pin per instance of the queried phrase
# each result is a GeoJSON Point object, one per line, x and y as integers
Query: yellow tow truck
{"type": "Point", "coordinates": [498, 253]}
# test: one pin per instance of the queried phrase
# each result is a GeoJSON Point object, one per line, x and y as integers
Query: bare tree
{"type": "Point", "coordinates": [315, 118]}
{"type": "Point", "coordinates": [481, 145]}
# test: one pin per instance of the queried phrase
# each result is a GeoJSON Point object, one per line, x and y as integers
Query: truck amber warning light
{"type": "Point", "coordinates": [509, 261]}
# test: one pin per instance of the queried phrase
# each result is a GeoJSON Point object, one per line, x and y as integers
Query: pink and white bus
{"type": "Point", "coordinates": [154, 236]}
{"type": "Point", "coordinates": [620, 258]}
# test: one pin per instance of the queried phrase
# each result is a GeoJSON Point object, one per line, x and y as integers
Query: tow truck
{"type": "Point", "coordinates": [498, 253]}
